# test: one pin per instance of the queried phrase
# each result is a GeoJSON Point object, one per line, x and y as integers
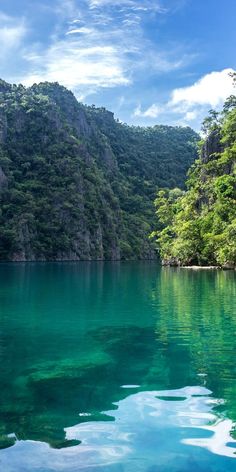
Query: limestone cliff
{"type": "Point", "coordinates": [75, 183]}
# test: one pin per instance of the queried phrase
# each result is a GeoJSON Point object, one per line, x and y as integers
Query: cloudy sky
{"type": "Point", "coordinates": [148, 61]}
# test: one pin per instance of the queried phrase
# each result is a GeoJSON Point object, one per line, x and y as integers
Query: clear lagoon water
{"type": "Point", "coordinates": [117, 367]}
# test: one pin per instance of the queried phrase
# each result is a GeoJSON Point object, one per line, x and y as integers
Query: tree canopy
{"type": "Point", "coordinates": [198, 226]}
{"type": "Point", "coordinates": [77, 184]}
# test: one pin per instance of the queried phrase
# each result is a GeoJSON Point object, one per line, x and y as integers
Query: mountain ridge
{"type": "Point", "coordinates": [75, 183]}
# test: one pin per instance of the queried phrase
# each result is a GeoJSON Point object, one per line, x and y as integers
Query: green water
{"type": "Point", "coordinates": [116, 367]}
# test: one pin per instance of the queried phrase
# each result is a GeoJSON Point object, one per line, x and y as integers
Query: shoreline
{"type": "Point", "coordinates": [200, 267]}
{"type": "Point", "coordinates": [204, 267]}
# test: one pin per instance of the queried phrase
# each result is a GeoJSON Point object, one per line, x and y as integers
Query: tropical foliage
{"type": "Point", "coordinates": [77, 184]}
{"type": "Point", "coordinates": [199, 226]}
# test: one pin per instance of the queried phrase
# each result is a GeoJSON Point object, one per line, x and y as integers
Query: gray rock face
{"type": "Point", "coordinates": [3, 126]}
{"type": "Point", "coordinates": [25, 251]}
{"type": "Point", "coordinates": [211, 146]}
{"type": "Point", "coordinates": [3, 180]}
{"type": "Point", "coordinates": [172, 262]}
{"type": "Point", "coordinates": [211, 149]}
{"type": "Point", "coordinates": [79, 186]}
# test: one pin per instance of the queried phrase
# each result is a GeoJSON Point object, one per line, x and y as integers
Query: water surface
{"type": "Point", "coordinates": [116, 367]}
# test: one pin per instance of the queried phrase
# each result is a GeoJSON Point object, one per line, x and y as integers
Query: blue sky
{"type": "Point", "coordinates": [148, 61]}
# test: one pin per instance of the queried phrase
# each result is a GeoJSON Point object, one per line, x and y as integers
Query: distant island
{"type": "Point", "coordinates": [76, 184]}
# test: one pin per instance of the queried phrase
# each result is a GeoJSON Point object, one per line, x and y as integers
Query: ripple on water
{"type": "Point", "coordinates": [171, 430]}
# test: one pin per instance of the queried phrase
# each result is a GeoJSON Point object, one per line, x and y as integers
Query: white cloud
{"type": "Point", "coordinates": [190, 116]}
{"type": "Point", "coordinates": [135, 4]}
{"type": "Point", "coordinates": [73, 65]}
{"type": "Point", "coordinates": [12, 33]}
{"type": "Point", "coordinates": [99, 48]}
{"type": "Point", "coordinates": [189, 105]}
{"type": "Point", "coordinates": [94, 44]}
{"type": "Point", "coordinates": [152, 112]}
{"type": "Point", "coordinates": [162, 62]}
{"type": "Point", "coordinates": [212, 89]}
{"type": "Point", "coordinates": [82, 30]}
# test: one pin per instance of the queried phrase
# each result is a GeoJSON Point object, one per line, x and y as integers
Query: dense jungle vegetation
{"type": "Point", "coordinates": [77, 184]}
{"type": "Point", "coordinates": [198, 226]}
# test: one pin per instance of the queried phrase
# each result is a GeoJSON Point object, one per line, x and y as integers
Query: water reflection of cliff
{"type": "Point", "coordinates": [196, 313]}
{"type": "Point", "coordinates": [184, 335]}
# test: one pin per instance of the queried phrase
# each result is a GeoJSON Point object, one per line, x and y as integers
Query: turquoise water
{"type": "Point", "coordinates": [117, 367]}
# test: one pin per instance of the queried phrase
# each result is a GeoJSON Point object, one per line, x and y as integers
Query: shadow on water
{"type": "Point", "coordinates": [116, 362]}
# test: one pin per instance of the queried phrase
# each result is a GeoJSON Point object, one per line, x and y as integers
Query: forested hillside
{"type": "Point", "coordinates": [199, 226]}
{"type": "Point", "coordinates": [77, 184]}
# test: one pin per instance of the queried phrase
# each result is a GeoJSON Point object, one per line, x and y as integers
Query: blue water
{"type": "Point", "coordinates": [117, 367]}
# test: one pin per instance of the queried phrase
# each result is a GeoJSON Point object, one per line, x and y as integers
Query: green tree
{"type": "Point", "coordinates": [199, 226]}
